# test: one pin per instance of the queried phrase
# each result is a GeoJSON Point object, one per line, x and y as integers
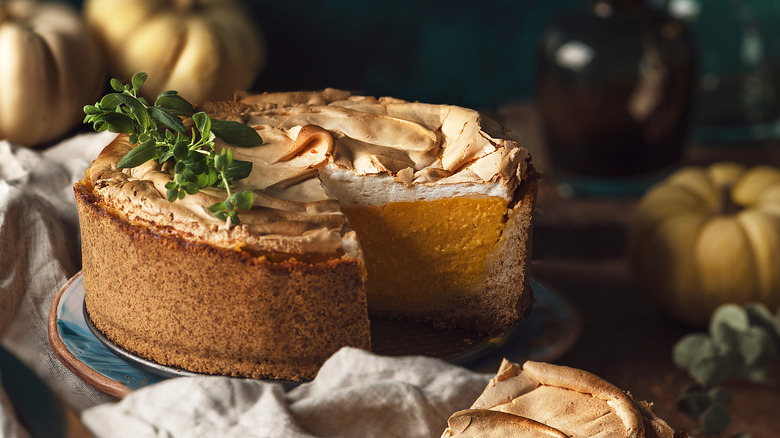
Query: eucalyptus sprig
{"type": "Point", "coordinates": [160, 135]}
{"type": "Point", "coordinates": [742, 342]}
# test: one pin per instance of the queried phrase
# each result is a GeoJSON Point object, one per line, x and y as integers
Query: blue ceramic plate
{"type": "Point", "coordinates": [93, 362]}
{"type": "Point", "coordinates": [551, 329]}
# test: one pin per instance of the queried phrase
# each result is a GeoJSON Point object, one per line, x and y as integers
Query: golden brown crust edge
{"type": "Point", "coordinates": [214, 310]}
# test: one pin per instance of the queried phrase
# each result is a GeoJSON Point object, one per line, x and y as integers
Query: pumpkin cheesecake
{"type": "Point", "coordinates": [362, 207]}
{"type": "Point", "coordinates": [544, 400]}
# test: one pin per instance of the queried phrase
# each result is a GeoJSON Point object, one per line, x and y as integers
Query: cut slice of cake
{"type": "Point", "coordinates": [540, 399]}
{"type": "Point", "coordinates": [362, 207]}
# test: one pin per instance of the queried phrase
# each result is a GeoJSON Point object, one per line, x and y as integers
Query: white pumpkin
{"type": "Point", "coordinates": [204, 49]}
{"type": "Point", "coordinates": [50, 67]}
{"type": "Point", "coordinates": [709, 236]}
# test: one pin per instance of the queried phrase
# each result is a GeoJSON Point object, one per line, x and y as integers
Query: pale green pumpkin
{"type": "Point", "coordinates": [50, 67]}
{"type": "Point", "coordinates": [709, 236]}
{"type": "Point", "coordinates": [204, 49]}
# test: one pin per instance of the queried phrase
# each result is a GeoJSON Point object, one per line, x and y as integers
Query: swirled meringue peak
{"type": "Point", "coordinates": [322, 150]}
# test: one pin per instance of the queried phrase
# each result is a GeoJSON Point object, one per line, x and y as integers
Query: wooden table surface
{"type": "Point", "coordinates": [580, 252]}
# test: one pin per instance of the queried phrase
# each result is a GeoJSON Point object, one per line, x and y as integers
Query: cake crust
{"type": "Point", "coordinates": [215, 310]}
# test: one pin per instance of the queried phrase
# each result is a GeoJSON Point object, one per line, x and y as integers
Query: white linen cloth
{"type": "Point", "coordinates": [356, 394]}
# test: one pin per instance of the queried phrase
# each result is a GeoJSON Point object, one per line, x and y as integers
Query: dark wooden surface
{"type": "Point", "coordinates": [579, 252]}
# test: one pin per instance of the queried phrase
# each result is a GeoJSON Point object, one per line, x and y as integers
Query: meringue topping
{"type": "Point", "coordinates": [320, 150]}
{"type": "Point", "coordinates": [540, 399]}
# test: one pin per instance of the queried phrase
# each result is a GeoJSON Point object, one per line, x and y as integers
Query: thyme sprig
{"type": "Point", "coordinates": [159, 134]}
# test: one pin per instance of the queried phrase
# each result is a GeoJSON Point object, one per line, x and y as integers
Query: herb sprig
{"type": "Point", "coordinates": [160, 135]}
{"type": "Point", "coordinates": [743, 343]}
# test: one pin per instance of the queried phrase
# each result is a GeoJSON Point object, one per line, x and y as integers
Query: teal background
{"type": "Point", "coordinates": [473, 53]}
{"type": "Point", "coordinates": [481, 54]}
{"type": "Point", "coordinates": [477, 54]}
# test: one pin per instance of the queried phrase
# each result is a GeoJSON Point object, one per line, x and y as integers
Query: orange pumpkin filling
{"type": "Point", "coordinates": [418, 252]}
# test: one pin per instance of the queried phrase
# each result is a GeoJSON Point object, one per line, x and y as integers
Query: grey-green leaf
{"type": "Point", "coordinates": [709, 370]}
{"type": "Point", "coordinates": [719, 395]}
{"type": "Point", "coordinates": [691, 346]}
{"type": "Point", "coordinates": [759, 315]}
{"type": "Point", "coordinates": [754, 343]}
{"type": "Point", "coordinates": [138, 155]}
{"type": "Point", "coordinates": [725, 336]}
{"type": "Point", "coordinates": [693, 404]}
{"type": "Point", "coordinates": [236, 133]}
{"type": "Point", "coordinates": [732, 315]}
{"type": "Point", "coordinates": [714, 420]}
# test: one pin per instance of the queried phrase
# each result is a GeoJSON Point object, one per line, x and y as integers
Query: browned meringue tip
{"type": "Point", "coordinates": [478, 422]}
{"type": "Point", "coordinates": [542, 399]}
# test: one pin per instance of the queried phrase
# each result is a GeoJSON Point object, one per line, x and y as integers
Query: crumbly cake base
{"type": "Point", "coordinates": [212, 310]}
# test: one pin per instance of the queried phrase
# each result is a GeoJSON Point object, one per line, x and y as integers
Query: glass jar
{"type": "Point", "coordinates": [614, 91]}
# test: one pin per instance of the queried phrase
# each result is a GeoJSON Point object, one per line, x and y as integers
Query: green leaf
{"type": "Point", "coordinates": [138, 155]}
{"type": "Point", "coordinates": [161, 135]}
{"type": "Point", "coordinates": [690, 347]}
{"type": "Point", "coordinates": [220, 163]}
{"type": "Point", "coordinates": [167, 155]}
{"type": "Point", "coordinates": [167, 119]}
{"type": "Point", "coordinates": [187, 175]}
{"type": "Point", "coordinates": [138, 80]}
{"type": "Point", "coordinates": [110, 101]}
{"type": "Point", "coordinates": [172, 192]}
{"type": "Point", "coordinates": [714, 420]}
{"type": "Point", "coordinates": [117, 85]}
{"type": "Point", "coordinates": [137, 109]}
{"type": "Point", "coordinates": [244, 199]}
{"type": "Point", "coordinates": [116, 122]}
{"type": "Point", "coordinates": [180, 152]}
{"type": "Point", "coordinates": [219, 206]}
{"type": "Point", "coordinates": [191, 188]}
{"type": "Point", "coordinates": [171, 101]}
{"type": "Point", "coordinates": [236, 133]}
{"type": "Point", "coordinates": [91, 110]}
{"type": "Point", "coordinates": [207, 178]}
{"type": "Point", "coordinates": [238, 169]}
{"type": "Point", "coordinates": [203, 123]}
